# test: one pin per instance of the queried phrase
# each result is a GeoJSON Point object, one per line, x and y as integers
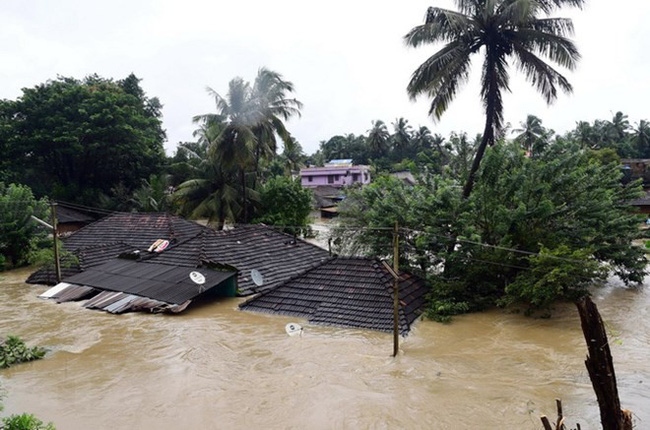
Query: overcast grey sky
{"type": "Point", "coordinates": [346, 59]}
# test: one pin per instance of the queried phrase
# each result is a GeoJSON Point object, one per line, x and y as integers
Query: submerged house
{"type": "Point", "coordinates": [346, 292]}
{"type": "Point", "coordinates": [122, 285]}
{"type": "Point", "coordinates": [152, 262]}
{"type": "Point", "coordinates": [162, 263]}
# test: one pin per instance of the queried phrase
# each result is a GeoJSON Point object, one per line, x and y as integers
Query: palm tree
{"type": "Point", "coordinates": [519, 31]}
{"type": "Point", "coordinates": [212, 194]}
{"type": "Point", "coordinates": [269, 96]}
{"type": "Point", "coordinates": [641, 136]}
{"type": "Point", "coordinates": [401, 138]}
{"type": "Point", "coordinates": [422, 139]}
{"type": "Point", "coordinates": [243, 130]}
{"type": "Point", "coordinates": [532, 136]}
{"type": "Point", "coordinates": [377, 140]}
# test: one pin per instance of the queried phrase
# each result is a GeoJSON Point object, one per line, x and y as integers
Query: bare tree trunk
{"type": "Point", "coordinates": [601, 368]}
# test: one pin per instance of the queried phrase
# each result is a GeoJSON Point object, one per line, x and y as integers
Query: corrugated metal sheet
{"type": "Point", "coordinates": [155, 281]}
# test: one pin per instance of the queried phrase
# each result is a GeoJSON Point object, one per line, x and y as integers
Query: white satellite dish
{"type": "Point", "coordinates": [257, 277]}
{"type": "Point", "coordinates": [293, 329]}
{"type": "Point", "coordinates": [197, 278]}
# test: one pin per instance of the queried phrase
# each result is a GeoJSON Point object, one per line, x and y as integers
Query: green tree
{"type": "Point", "coordinates": [270, 98]}
{"type": "Point", "coordinates": [153, 195]}
{"type": "Point", "coordinates": [74, 139]}
{"type": "Point", "coordinates": [532, 136]}
{"type": "Point", "coordinates": [641, 136]}
{"type": "Point", "coordinates": [212, 193]}
{"type": "Point", "coordinates": [18, 232]}
{"type": "Point", "coordinates": [401, 139]}
{"type": "Point", "coordinates": [534, 230]}
{"type": "Point", "coordinates": [377, 140]}
{"type": "Point", "coordinates": [243, 130]}
{"type": "Point", "coordinates": [285, 203]}
{"type": "Point", "coordinates": [519, 31]}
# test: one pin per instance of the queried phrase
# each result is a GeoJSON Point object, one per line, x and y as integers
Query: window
{"type": "Point", "coordinates": [336, 178]}
{"type": "Point", "coordinates": [330, 179]}
{"type": "Point", "coordinates": [309, 178]}
{"type": "Point", "coordinates": [355, 177]}
{"type": "Point", "coordinates": [365, 176]}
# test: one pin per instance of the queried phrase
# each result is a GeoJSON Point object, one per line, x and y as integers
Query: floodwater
{"type": "Point", "coordinates": [215, 367]}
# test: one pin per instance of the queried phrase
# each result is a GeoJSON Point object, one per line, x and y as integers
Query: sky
{"type": "Point", "coordinates": [346, 59]}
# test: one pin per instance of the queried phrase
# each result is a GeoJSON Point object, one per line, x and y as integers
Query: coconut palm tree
{"type": "Point", "coordinates": [270, 97]}
{"type": "Point", "coordinates": [502, 31]}
{"type": "Point", "coordinates": [401, 138]}
{"type": "Point", "coordinates": [641, 136]}
{"type": "Point", "coordinates": [243, 130]}
{"type": "Point", "coordinates": [532, 136]}
{"type": "Point", "coordinates": [377, 140]}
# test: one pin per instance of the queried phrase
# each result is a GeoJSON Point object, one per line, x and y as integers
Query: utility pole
{"type": "Point", "coordinates": [57, 263]}
{"type": "Point", "coordinates": [396, 291]}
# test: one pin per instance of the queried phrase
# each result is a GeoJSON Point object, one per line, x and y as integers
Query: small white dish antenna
{"type": "Point", "coordinates": [197, 278]}
{"type": "Point", "coordinates": [293, 329]}
{"type": "Point", "coordinates": [257, 277]}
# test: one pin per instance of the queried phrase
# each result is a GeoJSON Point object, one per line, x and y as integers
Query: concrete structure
{"type": "Point", "coordinates": [336, 173]}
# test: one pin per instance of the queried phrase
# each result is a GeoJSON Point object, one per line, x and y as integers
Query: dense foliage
{"type": "Point", "coordinates": [224, 169]}
{"type": "Point", "coordinates": [535, 229]}
{"type": "Point", "coordinates": [74, 140]}
{"type": "Point", "coordinates": [286, 204]}
{"type": "Point", "coordinates": [19, 234]}
{"type": "Point", "coordinates": [14, 351]}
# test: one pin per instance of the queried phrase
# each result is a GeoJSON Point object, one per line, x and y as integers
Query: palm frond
{"type": "Point", "coordinates": [541, 75]}
{"type": "Point", "coordinates": [441, 25]}
{"type": "Point", "coordinates": [441, 76]}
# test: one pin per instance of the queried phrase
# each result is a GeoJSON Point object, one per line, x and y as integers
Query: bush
{"type": "Point", "coordinates": [25, 422]}
{"type": "Point", "coordinates": [13, 351]}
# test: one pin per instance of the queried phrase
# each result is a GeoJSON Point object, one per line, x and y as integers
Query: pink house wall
{"type": "Point", "coordinates": [336, 176]}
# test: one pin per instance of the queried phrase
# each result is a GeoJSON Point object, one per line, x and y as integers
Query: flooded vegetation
{"type": "Point", "coordinates": [218, 367]}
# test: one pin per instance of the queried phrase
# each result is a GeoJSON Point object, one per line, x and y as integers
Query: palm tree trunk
{"type": "Point", "coordinates": [493, 109]}
{"type": "Point", "coordinates": [488, 137]}
{"type": "Point", "coordinates": [244, 203]}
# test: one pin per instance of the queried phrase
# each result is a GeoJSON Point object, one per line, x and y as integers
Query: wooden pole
{"type": "Point", "coordinates": [600, 366]}
{"type": "Point", "coordinates": [396, 291]}
{"type": "Point", "coordinates": [57, 263]}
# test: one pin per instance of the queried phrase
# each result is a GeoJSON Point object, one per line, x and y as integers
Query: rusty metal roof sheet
{"type": "Point", "coordinates": [350, 292]}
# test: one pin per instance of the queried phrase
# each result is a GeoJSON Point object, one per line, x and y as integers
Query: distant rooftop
{"type": "Point", "coordinates": [340, 162]}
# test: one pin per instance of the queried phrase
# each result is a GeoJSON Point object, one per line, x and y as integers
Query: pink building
{"type": "Point", "coordinates": [336, 173]}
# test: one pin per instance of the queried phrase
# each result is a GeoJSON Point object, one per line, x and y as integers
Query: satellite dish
{"type": "Point", "coordinates": [293, 329]}
{"type": "Point", "coordinates": [197, 278]}
{"type": "Point", "coordinates": [257, 277]}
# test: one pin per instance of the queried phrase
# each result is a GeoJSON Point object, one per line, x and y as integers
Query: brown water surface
{"type": "Point", "coordinates": [215, 367]}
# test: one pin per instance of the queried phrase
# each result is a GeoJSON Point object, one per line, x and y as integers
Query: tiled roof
{"type": "Point", "coordinates": [349, 292]}
{"type": "Point", "coordinates": [66, 214]}
{"type": "Point", "coordinates": [107, 238]}
{"type": "Point", "coordinates": [138, 230]}
{"type": "Point", "coordinates": [275, 255]}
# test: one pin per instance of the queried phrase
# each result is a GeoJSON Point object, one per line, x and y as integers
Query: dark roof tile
{"type": "Point", "coordinates": [349, 292]}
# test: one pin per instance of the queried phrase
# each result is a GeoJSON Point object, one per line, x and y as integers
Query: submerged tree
{"type": "Point", "coordinates": [520, 31]}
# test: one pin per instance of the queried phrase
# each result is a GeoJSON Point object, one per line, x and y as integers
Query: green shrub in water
{"type": "Point", "coordinates": [13, 351]}
{"type": "Point", "coordinates": [24, 422]}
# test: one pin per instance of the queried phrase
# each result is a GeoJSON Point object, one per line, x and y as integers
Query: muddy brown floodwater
{"type": "Point", "coordinates": [215, 367]}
